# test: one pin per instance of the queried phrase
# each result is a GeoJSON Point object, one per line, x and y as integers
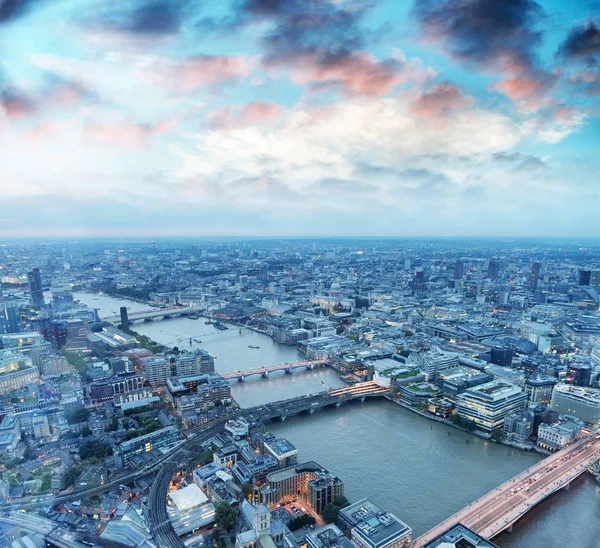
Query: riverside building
{"type": "Point", "coordinates": [488, 404]}
{"type": "Point", "coordinates": [583, 403]}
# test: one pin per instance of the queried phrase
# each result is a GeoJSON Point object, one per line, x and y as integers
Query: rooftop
{"type": "Point", "coordinates": [459, 536]}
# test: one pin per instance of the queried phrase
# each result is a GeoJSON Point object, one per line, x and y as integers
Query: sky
{"type": "Point", "coordinates": [299, 118]}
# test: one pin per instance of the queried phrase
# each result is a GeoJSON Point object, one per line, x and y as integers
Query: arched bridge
{"type": "Point", "coordinates": [264, 371]}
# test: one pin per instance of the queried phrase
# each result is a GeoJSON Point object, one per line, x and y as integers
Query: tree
{"type": "Point", "coordinates": [94, 449]}
{"type": "Point", "coordinates": [330, 512]}
{"type": "Point", "coordinates": [86, 431]}
{"type": "Point", "coordinates": [301, 521]}
{"type": "Point", "coordinates": [247, 488]}
{"type": "Point", "coordinates": [341, 501]}
{"type": "Point", "coordinates": [225, 515]}
{"type": "Point", "coordinates": [76, 415]}
{"type": "Point", "coordinates": [77, 362]}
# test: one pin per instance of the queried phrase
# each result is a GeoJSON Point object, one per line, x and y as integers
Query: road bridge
{"type": "Point", "coordinates": [501, 508]}
{"type": "Point", "coordinates": [154, 313]}
{"type": "Point", "coordinates": [241, 376]}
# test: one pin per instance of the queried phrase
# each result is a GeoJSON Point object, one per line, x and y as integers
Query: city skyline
{"type": "Point", "coordinates": [324, 118]}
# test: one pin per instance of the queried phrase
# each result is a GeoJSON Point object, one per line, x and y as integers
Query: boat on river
{"type": "Point", "coordinates": [252, 346]}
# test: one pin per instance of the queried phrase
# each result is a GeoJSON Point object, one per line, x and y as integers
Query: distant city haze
{"type": "Point", "coordinates": [294, 118]}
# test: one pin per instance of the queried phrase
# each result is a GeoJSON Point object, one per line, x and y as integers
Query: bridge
{"type": "Point", "coordinates": [264, 371]}
{"type": "Point", "coordinates": [501, 508]}
{"type": "Point", "coordinates": [154, 313]}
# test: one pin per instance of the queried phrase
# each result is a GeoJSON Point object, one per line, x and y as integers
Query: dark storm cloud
{"type": "Point", "coordinates": [13, 9]}
{"type": "Point", "coordinates": [483, 32]}
{"type": "Point", "coordinates": [582, 43]}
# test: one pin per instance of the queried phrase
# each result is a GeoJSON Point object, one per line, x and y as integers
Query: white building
{"type": "Point", "coordinates": [583, 403]}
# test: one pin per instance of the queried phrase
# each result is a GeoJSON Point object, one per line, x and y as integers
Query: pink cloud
{"type": "Point", "coordinates": [126, 133]}
{"type": "Point", "coordinates": [196, 72]}
{"type": "Point", "coordinates": [440, 101]}
{"type": "Point", "coordinates": [255, 113]}
{"type": "Point", "coordinates": [357, 73]}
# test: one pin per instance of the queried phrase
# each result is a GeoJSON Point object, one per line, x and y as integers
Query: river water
{"type": "Point", "coordinates": [408, 464]}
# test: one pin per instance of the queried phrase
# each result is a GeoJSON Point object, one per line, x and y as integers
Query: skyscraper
{"type": "Point", "coordinates": [458, 270]}
{"type": "Point", "coordinates": [585, 277]}
{"type": "Point", "coordinates": [493, 268]}
{"type": "Point", "coordinates": [36, 289]}
{"type": "Point", "coordinates": [535, 276]}
{"type": "Point", "coordinates": [10, 321]}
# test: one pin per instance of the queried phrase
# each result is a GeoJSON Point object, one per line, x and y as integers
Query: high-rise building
{"type": "Point", "coordinates": [458, 270]}
{"type": "Point", "coordinates": [62, 298]}
{"type": "Point", "coordinates": [160, 368]}
{"type": "Point", "coordinates": [10, 321]}
{"type": "Point", "coordinates": [493, 268]}
{"type": "Point", "coordinates": [35, 288]}
{"type": "Point", "coordinates": [585, 277]}
{"type": "Point", "coordinates": [579, 374]}
{"type": "Point", "coordinates": [124, 319]}
{"type": "Point", "coordinates": [539, 389]}
{"type": "Point", "coordinates": [535, 276]}
{"type": "Point", "coordinates": [595, 278]}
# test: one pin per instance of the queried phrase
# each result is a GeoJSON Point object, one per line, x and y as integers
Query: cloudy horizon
{"type": "Point", "coordinates": [299, 118]}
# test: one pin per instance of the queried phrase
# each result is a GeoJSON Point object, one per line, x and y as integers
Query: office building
{"type": "Point", "coordinates": [119, 384]}
{"type": "Point", "coordinates": [10, 320]}
{"type": "Point", "coordinates": [535, 276]}
{"type": "Point", "coordinates": [327, 537]}
{"type": "Point", "coordinates": [35, 288]}
{"type": "Point", "coordinates": [493, 269]}
{"type": "Point", "coordinates": [507, 374]}
{"type": "Point", "coordinates": [124, 319]}
{"type": "Point", "coordinates": [583, 403]}
{"type": "Point", "coordinates": [16, 372]}
{"type": "Point", "coordinates": [280, 448]}
{"type": "Point", "coordinates": [488, 404]}
{"type": "Point", "coordinates": [76, 332]}
{"type": "Point", "coordinates": [126, 450]}
{"type": "Point", "coordinates": [432, 362]}
{"type": "Point", "coordinates": [502, 356]}
{"type": "Point", "coordinates": [458, 270]}
{"type": "Point", "coordinates": [553, 437]}
{"type": "Point", "coordinates": [285, 484]}
{"type": "Point", "coordinates": [323, 490]}
{"type": "Point", "coordinates": [62, 298]}
{"type": "Point", "coordinates": [160, 368]}
{"type": "Point", "coordinates": [518, 426]}
{"type": "Point", "coordinates": [539, 389]}
{"type": "Point", "coordinates": [459, 536]}
{"type": "Point", "coordinates": [579, 374]}
{"type": "Point", "coordinates": [585, 277]}
{"type": "Point", "coordinates": [369, 526]}
{"type": "Point", "coordinates": [456, 380]}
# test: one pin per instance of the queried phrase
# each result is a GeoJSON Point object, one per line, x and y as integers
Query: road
{"type": "Point", "coordinates": [500, 508]}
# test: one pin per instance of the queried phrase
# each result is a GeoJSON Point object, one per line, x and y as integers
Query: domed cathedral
{"type": "Point", "coordinates": [335, 291]}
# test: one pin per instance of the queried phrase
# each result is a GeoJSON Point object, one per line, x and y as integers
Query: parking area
{"type": "Point", "coordinates": [298, 507]}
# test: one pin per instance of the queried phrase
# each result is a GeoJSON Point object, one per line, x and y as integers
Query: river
{"type": "Point", "coordinates": [409, 465]}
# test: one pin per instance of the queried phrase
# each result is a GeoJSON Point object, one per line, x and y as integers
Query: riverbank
{"type": "Point", "coordinates": [476, 433]}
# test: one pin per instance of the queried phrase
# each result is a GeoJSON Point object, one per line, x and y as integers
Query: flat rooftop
{"type": "Point", "coordinates": [459, 536]}
{"type": "Point", "coordinates": [286, 473]}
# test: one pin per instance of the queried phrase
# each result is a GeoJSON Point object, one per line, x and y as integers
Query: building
{"type": "Point", "coordinates": [327, 537]}
{"type": "Point", "coordinates": [585, 277]}
{"type": "Point", "coordinates": [368, 526]}
{"type": "Point", "coordinates": [287, 483]}
{"type": "Point", "coordinates": [62, 298]}
{"type": "Point", "coordinates": [433, 361]}
{"type": "Point", "coordinates": [323, 490]}
{"type": "Point", "coordinates": [189, 509]}
{"type": "Point", "coordinates": [117, 385]}
{"type": "Point", "coordinates": [535, 276]}
{"type": "Point", "coordinates": [76, 335]}
{"type": "Point", "coordinates": [458, 270]}
{"type": "Point", "coordinates": [539, 389]}
{"type": "Point", "coordinates": [280, 448]}
{"type": "Point", "coordinates": [10, 321]}
{"type": "Point", "coordinates": [583, 403]}
{"type": "Point", "coordinates": [126, 450]}
{"type": "Point", "coordinates": [508, 374]}
{"type": "Point", "coordinates": [160, 368]}
{"type": "Point", "coordinates": [456, 380]}
{"type": "Point", "coordinates": [257, 529]}
{"type": "Point", "coordinates": [16, 372]}
{"type": "Point", "coordinates": [518, 426]}
{"type": "Point", "coordinates": [579, 374]}
{"type": "Point", "coordinates": [502, 356]}
{"type": "Point", "coordinates": [488, 404]}
{"type": "Point", "coordinates": [459, 536]}
{"type": "Point", "coordinates": [553, 437]}
{"type": "Point", "coordinates": [493, 269]}
{"type": "Point", "coordinates": [35, 288]}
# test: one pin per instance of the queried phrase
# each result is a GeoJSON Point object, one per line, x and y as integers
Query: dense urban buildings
{"type": "Point", "coordinates": [88, 397]}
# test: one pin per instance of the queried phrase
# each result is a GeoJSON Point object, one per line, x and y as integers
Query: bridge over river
{"type": "Point", "coordinates": [501, 508]}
